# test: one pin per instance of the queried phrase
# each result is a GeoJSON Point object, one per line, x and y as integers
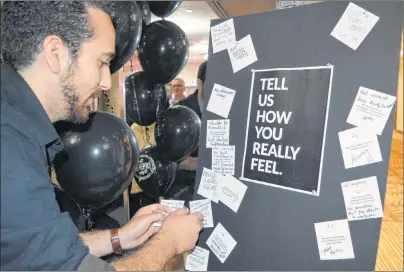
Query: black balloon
{"type": "Point", "coordinates": [127, 20]}
{"type": "Point", "coordinates": [138, 201]}
{"type": "Point", "coordinates": [144, 11]}
{"type": "Point", "coordinates": [99, 159]}
{"type": "Point", "coordinates": [155, 175]}
{"type": "Point", "coordinates": [144, 99]}
{"type": "Point", "coordinates": [163, 51]}
{"type": "Point", "coordinates": [163, 8]}
{"type": "Point", "coordinates": [177, 132]}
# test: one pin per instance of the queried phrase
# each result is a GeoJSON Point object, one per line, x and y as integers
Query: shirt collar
{"type": "Point", "coordinates": [16, 92]}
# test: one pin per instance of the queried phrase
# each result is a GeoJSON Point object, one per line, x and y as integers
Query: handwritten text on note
{"type": "Point", "coordinates": [359, 147]}
{"type": "Point", "coordinates": [223, 159]}
{"type": "Point", "coordinates": [354, 25]}
{"type": "Point", "coordinates": [217, 133]}
{"type": "Point", "coordinates": [208, 187]}
{"type": "Point", "coordinates": [221, 242]}
{"type": "Point", "coordinates": [371, 109]}
{"type": "Point", "coordinates": [232, 192]}
{"type": "Point", "coordinates": [334, 240]}
{"type": "Point", "coordinates": [362, 199]}
{"type": "Point", "coordinates": [197, 259]}
{"type": "Point", "coordinates": [220, 100]}
{"type": "Point", "coordinates": [223, 35]}
{"type": "Point", "coordinates": [204, 207]}
{"type": "Point", "coordinates": [242, 54]}
{"type": "Point", "coordinates": [172, 204]}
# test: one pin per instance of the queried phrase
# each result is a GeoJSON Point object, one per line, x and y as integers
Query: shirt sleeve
{"type": "Point", "coordinates": [35, 235]}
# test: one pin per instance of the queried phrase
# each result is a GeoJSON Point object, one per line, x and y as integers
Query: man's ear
{"type": "Point", "coordinates": [54, 51]}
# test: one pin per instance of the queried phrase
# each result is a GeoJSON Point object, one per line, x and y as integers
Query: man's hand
{"type": "Point", "coordinates": [140, 228]}
{"type": "Point", "coordinates": [181, 230]}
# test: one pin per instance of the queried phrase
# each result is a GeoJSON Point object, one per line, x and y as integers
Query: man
{"type": "Point", "coordinates": [185, 178]}
{"type": "Point", "coordinates": [177, 89]}
{"type": "Point", "coordinates": [201, 83]}
{"type": "Point", "coordinates": [56, 59]}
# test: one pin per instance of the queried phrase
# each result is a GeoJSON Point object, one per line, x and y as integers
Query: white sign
{"type": "Point", "coordinates": [232, 192]}
{"type": "Point", "coordinates": [223, 35]}
{"type": "Point", "coordinates": [242, 54]}
{"type": "Point", "coordinates": [371, 110]}
{"type": "Point", "coordinates": [354, 25]}
{"type": "Point", "coordinates": [197, 259]}
{"type": "Point", "coordinates": [208, 187]}
{"type": "Point", "coordinates": [362, 199]}
{"type": "Point", "coordinates": [223, 159]}
{"type": "Point", "coordinates": [334, 240]}
{"type": "Point", "coordinates": [359, 147]}
{"type": "Point", "coordinates": [221, 243]}
{"type": "Point", "coordinates": [217, 133]}
{"type": "Point", "coordinates": [221, 100]}
{"type": "Point", "coordinates": [205, 208]}
{"type": "Point", "coordinates": [172, 204]}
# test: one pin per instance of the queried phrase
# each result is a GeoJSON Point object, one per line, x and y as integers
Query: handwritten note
{"type": "Point", "coordinates": [231, 192]}
{"type": "Point", "coordinates": [220, 100]}
{"type": "Point", "coordinates": [205, 208]}
{"type": "Point", "coordinates": [208, 187]}
{"type": "Point", "coordinates": [221, 243]}
{"type": "Point", "coordinates": [334, 240]}
{"type": "Point", "coordinates": [197, 259]}
{"type": "Point", "coordinates": [354, 25]}
{"type": "Point", "coordinates": [242, 54]}
{"type": "Point", "coordinates": [359, 147]}
{"type": "Point", "coordinates": [371, 109]}
{"type": "Point", "coordinates": [362, 199]}
{"type": "Point", "coordinates": [172, 204]}
{"type": "Point", "coordinates": [223, 35]}
{"type": "Point", "coordinates": [223, 159]}
{"type": "Point", "coordinates": [217, 133]}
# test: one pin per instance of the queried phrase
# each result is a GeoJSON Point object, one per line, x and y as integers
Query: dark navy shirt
{"type": "Point", "coordinates": [35, 235]}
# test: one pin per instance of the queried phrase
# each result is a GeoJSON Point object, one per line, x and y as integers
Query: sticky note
{"type": "Point", "coordinates": [371, 110]}
{"type": "Point", "coordinates": [204, 207]}
{"type": "Point", "coordinates": [362, 199]}
{"type": "Point", "coordinates": [197, 259]}
{"type": "Point", "coordinates": [242, 54]}
{"type": "Point", "coordinates": [334, 240]}
{"type": "Point", "coordinates": [172, 204]}
{"type": "Point", "coordinates": [223, 159]}
{"type": "Point", "coordinates": [354, 25]}
{"type": "Point", "coordinates": [223, 35]}
{"type": "Point", "coordinates": [217, 133]}
{"type": "Point", "coordinates": [359, 147]}
{"type": "Point", "coordinates": [209, 184]}
{"type": "Point", "coordinates": [221, 100]}
{"type": "Point", "coordinates": [232, 192]}
{"type": "Point", "coordinates": [221, 243]}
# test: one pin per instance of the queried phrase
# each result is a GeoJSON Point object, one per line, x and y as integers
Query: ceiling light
{"type": "Point", "coordinates": [401, 52]}
{"type": "Point", "coordinates": [189, 10]}
{"type": "Point", "coordinates": [205, 57]}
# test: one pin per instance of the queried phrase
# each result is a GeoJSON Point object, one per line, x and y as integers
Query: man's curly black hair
{"type": "Point", "coordinates": [25, 24]}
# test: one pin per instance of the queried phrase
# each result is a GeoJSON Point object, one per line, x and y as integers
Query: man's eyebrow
{"type": "Point", "coordinates": [108, 55]}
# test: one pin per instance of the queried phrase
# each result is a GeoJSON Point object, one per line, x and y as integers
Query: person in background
{"type": "Point", "coordinates": [185, 179]}
{"type": "Point", "coordinates": [56, 59]}
{"type": "Point", "coordinates": [177, 90]}
{"type": "Point", "coordinates": [201, 83]}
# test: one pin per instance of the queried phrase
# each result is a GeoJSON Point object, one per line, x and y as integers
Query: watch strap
{"type": "Point", "coordinates": [116, 242]}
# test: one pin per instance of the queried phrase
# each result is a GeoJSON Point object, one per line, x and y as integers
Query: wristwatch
{"type": "Point", "coordinates": [116, 242]}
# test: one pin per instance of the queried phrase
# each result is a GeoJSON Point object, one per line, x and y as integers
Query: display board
{"type": "Point", "coordinates": [296, 132]}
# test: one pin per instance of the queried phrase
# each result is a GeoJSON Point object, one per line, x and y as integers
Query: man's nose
{"type": "Point", "coordinates": [106, 81]}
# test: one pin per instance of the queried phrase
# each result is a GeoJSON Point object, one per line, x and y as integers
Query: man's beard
{"type": "Point", "coordinates": [74, 111]}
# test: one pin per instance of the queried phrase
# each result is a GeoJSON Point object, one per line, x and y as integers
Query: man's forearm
{"type": "Point", "coordinates": [153, 256]}
{"type": "Point", "coordinates": [98, 242]}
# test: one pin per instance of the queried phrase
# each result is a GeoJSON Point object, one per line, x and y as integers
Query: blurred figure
{"type": "Point", "coordinates": [183, 187]}
{"type": "Point", "coordinates": [178, 90]}
{"type": "Point", "coordinates": [201, 83]}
